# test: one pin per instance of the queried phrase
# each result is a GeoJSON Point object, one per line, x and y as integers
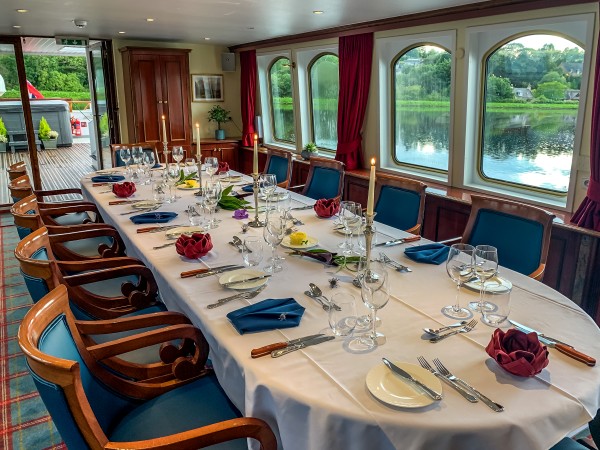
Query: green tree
{"type": "Point", "coordinates": [498, 89]}
{"type": "Point", "coordinates": [552, 90]}
{"type": "Point", "coordinates": [553, 76]}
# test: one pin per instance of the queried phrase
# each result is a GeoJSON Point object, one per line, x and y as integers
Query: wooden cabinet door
{"type": "Point", "coordinates": [176, 98]}
{"type": "Point", "coordinates": [147, 92]}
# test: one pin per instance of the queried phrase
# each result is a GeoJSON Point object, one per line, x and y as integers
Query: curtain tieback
{"type": "Point", "coordinates": [593, 191]}
{"type": "Point", "coordinates": [346, 148]}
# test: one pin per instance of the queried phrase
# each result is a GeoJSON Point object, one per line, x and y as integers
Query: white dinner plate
{"type": "Point", "coordinates": [174, 233]}
{"type": "Point", "coordinates": [310, 242]}
{"type": "Point", "coordinates": [144, 204]}
{"type": "Point", "coordinates": [242, 274]}
{"type": "Point", "coordinates": [494, 284]}
{"type": "Point", "coordinates": [393, 390]}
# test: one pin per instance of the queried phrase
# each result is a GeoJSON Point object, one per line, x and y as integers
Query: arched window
{"type": "Point", "coordinates": [530, 110]}
{"type": "Point", "coordinates": [324, 90]}
{"type": "Point", "coordinates": [282, 104]}
{"type": "Point", "coordinates": [421, 112]}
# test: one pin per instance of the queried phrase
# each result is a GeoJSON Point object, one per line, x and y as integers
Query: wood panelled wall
{"type": "Point", "coordinates": [573, 261]}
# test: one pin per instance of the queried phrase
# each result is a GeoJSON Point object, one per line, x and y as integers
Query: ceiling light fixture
{"type": "Point", "coordinates": [22, 10]}
{"type": "Point", "coordinates": [317, 12]}
{"type": "Point", "coordinates": [122, 32]}
{"type": "Point", "coordinates": [16, 26]}
{"type": "Point", "coordinates": [149, 19]}
{"type": "Point", "coordinates": [207, 39]}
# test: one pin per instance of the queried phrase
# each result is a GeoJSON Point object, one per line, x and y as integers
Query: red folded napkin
{"type": "Point", "coordinates": [327, 207]}
{"type": "Point", "coordinates": [194, 246]}
{"type": "Point", "coordinates": [123, 190]}
{"type": "Point", "coordinates": [223, 167]}
{"type": "Point", "coordinates": [517, 352]}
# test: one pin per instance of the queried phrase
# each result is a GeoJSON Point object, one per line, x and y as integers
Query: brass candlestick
{"type": "Point", "coordinates": [256, 223]}
{"type": "Point", "coordinates": [165, 152]}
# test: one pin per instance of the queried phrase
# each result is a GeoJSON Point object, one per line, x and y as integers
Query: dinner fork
{"type": "Point", "coordinates": [294, 220]}
{"type": "Point", "coordinates": [461, 390]}
{"type": "Point", "coordinates": [390, 262]}
{"type": "Point", "coordinates": [492, 404]}
{"type": "Point", "coordinates": [468, 327]}
{"type": "Point", "coordinates": [154, 208]}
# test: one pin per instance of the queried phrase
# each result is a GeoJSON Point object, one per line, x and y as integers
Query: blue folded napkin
{"type": "Point", "coordinates": [157, 166]}
{"type": "Point", "coordinates": [269, 314]}
{"type": "Point", "coordinates": [153, 217]}
{"type": "Point", "coordinates": [248, 188]}
{"type": "Point", "coordinates": [428, 253]}
{"type": "Point", "coordinates": [107, 178]}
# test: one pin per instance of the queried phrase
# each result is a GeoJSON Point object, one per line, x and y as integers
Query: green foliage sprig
{"type": "Point", "coordinates": [183, 177]}
{"type": "Point", "coordinates": [231, 203]}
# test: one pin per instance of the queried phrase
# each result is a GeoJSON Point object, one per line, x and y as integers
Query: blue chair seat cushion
{"type": "Point", "coordinates": [87, 247]}
{"type": "Point", "coordinates": [72, 219]}
{"type": "Point", "coordinates": [202, 402]}
{"type": "Point", "coordinates": [568, 444]}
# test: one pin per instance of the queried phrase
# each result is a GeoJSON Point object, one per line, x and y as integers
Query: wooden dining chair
{"type": "Point", "coordinates": [16, 170]}
{"type": "Point", "coordinates": [92, 407]}
{"type": "Point", "coordinates": [279, 163]}
{"type": "Point", "coordinates": [20, 188]}
{"type": "Point", "coordinates": [325, 179]}
{"type": "Point", "coordinates": [520, 232]}
{"type": "Point", "coordinates": [400, 202]}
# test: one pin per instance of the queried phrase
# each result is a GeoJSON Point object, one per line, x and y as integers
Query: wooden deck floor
{"type": "Point", "coordinates": [61, 168]}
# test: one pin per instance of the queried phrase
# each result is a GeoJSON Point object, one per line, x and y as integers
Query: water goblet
{"type": "Point", "coordinates": [212, 194]}
{"type": "Point", "coordinates": [252, 251]}
{"type": "Point", "coordinates": [137, 155]}
{"type": "Point", "coordinates": [125, 156]}
{"type": "Point", "coordinates": [342, 320]}
{"type": "Point", "coordinates": [172, 178]}
{"type": "Point", "coordinates": [350, 214]}
{"type": "Point", "coordinates": [177, 154]}
{"type": "Point", "coordinates": [273, 233]}
{"type": "Point", "coordinates": [190, 167]}
{"type": "Point", "coordinates": [459, 266]}
{"type": "Point", "coordinates": [148, 165]}
{"type": "Point", "coordinates": [211, 165]}
{"type": "Point", "coordinates": [486, 266]}
{"type": "Point", "coordinates": [374, 289]}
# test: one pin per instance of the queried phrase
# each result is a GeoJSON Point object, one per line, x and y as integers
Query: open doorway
{"type": "Point", "coordinates": [69, 111]}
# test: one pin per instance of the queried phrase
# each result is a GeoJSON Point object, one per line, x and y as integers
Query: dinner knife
{"type": "Point", "coordinates": [246, 280]}
{"type": "Point", "coordinates": [264, 351]}
{"type": "Point", "coordinates": [301, 345]}
{"type": "Point", "coordinates": [398, 241]}
{"type": "Point", "coordinates": [558, 345]}
{"type": "Point", "coordinates": [300, 208]}
{"type": "Point", "coordinates": [407, 376]}
{"type": "Point", "coordinates": [219, 269]}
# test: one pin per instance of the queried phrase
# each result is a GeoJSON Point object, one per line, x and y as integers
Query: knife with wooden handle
{"type": "Point", "coordinates": [267, 349]}
{"type": "Point", "coordinates": [214, 270]}
{"type": "Point", "coordinates": [156, 229]}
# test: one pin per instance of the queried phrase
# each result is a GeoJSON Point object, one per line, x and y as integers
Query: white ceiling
{"type": "Point", "coordinates": [225, 22]}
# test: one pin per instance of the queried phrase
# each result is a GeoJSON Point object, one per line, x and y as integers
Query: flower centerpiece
{"type": "Point", "coordinates": [219, 115]}
{"type": "Point", "coordinates": [3, 136]}
{"type": "Point", "coordinates": [46, 134]}
{"type": "Point", "coordinates": [308, 151]}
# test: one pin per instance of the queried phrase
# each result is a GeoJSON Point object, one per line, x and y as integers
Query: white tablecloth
{"type": "Point", "coordinates": [317, 398]}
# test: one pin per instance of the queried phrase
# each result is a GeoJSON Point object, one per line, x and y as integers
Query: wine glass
{"type": "Point", "coordinates": [125, 156]}
{"type": "Point", "coordinates": [375, 293]}
{"type": "Point", "coordinates": [172, 178]}
{"type": "Point", "coordinates": [273, 233]}
{"type": "Point", "coordinates": [459, 266]}
{"type": "Point", "coordinates": [212, 195]}
{"type": "Point", "coordinates": [190, 166]}
{"type": "Point", "coordinates": [212, 165]}
{"type": "Point", "coordinates": [148, 165]}
{"type": "Point", "coordinates": [137, 155]}
{"type": "Point", "coordinates": [350, 214]}
{"type": "Point", "coordinates": [177, 154]}
{"type": "Point", "coordinates": [486, 266]}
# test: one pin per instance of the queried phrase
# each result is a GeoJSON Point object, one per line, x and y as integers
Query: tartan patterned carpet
{"type": "Point", "coordinates": [24, 420]}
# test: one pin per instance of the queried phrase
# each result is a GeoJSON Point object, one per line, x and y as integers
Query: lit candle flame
{"type": "Point", "coordinates": [372, 161]}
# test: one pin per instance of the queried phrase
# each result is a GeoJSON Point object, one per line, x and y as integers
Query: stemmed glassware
{"type": "Point", "coordinates": [172, 177]}
{"type": "Point", "coordinates": [375, 293]}
{"type": "Point", "coordinates": [486, 266]}
{"type": "Point", "coordinates": [268, 184]}
{"type": "Point", "coordinates": [273, 233]}
{"type": "Point", "coordinates": [125, 156]}
{"type": "Point", "coordinates": [211, 165]}
{"type": "Point", "coordinates": [177, 154]}
{"type": "Point", "coordinates": [149, 162]}
{"type": "Point", "coordinates": [137, 155]}
{"type": "Point", "coordinates": [459, 266]}
{"type": "Point", "coordinates": [190, 166]}
{"type": "Point", "coordinates": [351, 217]}
{"type": "Point", "coordinates": [212, 194]}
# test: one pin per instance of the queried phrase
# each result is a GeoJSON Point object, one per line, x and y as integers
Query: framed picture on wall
{"type": "Point", "coordinates": [207, 88]}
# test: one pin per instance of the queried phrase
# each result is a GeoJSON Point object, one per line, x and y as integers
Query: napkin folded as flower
{"type": "Point", "coordinates": [223, 167]}
{"type": "Point", "coordinates": [123, 190]}
{"type": "Point", "coordinates": [327, 207]}
{"type": "Point", "coordinates": [153, 217]}
{"type": "Point", "coordinates": [269, 314]}
{"type": "Point", "coordinates": [517, 352]}
{"type": "Point", "coordinates": [107, 178]}
{"type": "Point", "coordinates": [428, 253]}
{"type": "Point", "coordinates": [194, 246]}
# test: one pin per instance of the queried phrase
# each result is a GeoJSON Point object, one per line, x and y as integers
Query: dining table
{"type": "Point", "coordinates": [317, 397]}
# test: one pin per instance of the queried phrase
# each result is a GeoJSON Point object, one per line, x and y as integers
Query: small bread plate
{"type": "Point", "coordinates": [174, 233]}
{"type": "Point", "coordinates": [494, 285]}
{"type": "Point", "coordinates": [275, 197]}
{"type": "Point", "coordinates": [189, 187]}
{"type": "Point", "coordinates": [243, 274]}
{"type": "Point", "coordinates": [145, 204]}
{"type": "Point", "coordinates": [308, 243]}
{"type": "Point", "coordinates": [393, 390]}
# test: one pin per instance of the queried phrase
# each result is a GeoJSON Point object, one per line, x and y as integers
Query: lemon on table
{"type": "Point", "coordinates": [191, 184]}
{"type": "Point", "coordinates": [297, 238]}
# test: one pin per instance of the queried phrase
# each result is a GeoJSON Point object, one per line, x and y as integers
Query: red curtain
{"type": "Point", "coordinates": [588, 214]}
{"type": "Point", "coordinates": [356, 57]}
{"type": "Point", "coordinates": [248, 92]}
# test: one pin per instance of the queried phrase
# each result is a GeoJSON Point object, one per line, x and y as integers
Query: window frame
{"type": "Point", "coordinates": [270, 97]}
{"type": "Point", "coordinates": [410, 166]}
{"type": "Point", "coordinates": [310, 97]}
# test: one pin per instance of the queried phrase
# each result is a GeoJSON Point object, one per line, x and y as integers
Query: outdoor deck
{"type": "Point", "coordinates": [61, 168]}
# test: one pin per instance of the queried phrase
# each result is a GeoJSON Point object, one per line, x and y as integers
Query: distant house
{"type": "Point", "coordinates": [572, 68]}
{"type": "Point", "coordinates": [572, 94]}
{"type": "Point", "coordinates": [523, 93]}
